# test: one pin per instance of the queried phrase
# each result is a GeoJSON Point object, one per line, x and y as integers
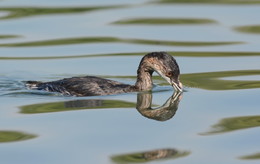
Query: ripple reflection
{"type": "Point", "coordinates": [234, 123]}
{"type": "Point", "coordinates": [14, 136]}
{"type": "Point", "coordinates": [148, 156]}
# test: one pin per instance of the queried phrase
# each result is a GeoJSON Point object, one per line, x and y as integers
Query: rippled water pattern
{"type": "Point", "coordinates": [216, 120]}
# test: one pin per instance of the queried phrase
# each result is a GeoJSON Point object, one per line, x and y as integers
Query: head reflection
{"type": "Point", "coordinates": [162, 113]}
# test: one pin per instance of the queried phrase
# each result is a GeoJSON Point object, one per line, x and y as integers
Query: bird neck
{"type": "Point", "coordinates": [144, 78]}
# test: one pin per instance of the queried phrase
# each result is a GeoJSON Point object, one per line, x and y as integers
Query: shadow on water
{"type": "Point", "coordinates": [14, 136]}
{"type": "Point", "coordinates": [88, 40]}
{"type": "Point", "coordinates": [234, 123]}
{"type": "Point", "coordinates": [143, 105]}
{"type": "Point", "coordinates": [148, 156]}
{"type": "Point", "coordinates": [16, 12]}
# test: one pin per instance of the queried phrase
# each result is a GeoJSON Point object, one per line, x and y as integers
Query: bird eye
{"type": "Point", "coordinates": [169, 74]}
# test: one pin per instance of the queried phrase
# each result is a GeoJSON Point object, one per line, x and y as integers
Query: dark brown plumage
{"type": "Point", "coordinates": [161, 62]}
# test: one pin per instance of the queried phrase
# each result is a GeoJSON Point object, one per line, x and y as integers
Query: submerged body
{"type": "Point", "coordinates": [83, 86]}
{"type": "Point", "coordinates": [161, 62]}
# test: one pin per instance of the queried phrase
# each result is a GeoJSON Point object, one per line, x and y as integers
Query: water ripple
{"type": "Point", "coordinates": [9, 36]}
{"type": "Point", "coordinates": [165, 21]}
{"type": "Point", "coordinates": [14, 136]}
{"type": "Point", "coordinates": [88, 40]}
{"type": "Point", "coordinates": [22, 12]}
{"type": "Point", "coordinates": [176, 53]}
{"type": "Point", "coordinates": [255, 156]}
{"type": "Point", "coordinates": [213, 80]}
{"type": "Point", "coordinates": [234, 123]}
{"type": "Point", "coordinates": [254, 29]}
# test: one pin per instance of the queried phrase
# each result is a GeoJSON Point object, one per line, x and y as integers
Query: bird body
{"type": "Point", "coordinates": [83, 86]}
{"type": "Point", "coordinates": [161, 62]}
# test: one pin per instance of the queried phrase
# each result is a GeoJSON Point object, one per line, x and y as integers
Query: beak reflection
{"type": "Point", "coordinates": [177, 86]}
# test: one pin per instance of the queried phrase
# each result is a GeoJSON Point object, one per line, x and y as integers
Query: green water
{"type": "Point", "coordinates": [215, 120]}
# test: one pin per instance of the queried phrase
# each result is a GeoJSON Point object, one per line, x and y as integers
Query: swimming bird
{"type": "Point", "coordinates": [161, 62]}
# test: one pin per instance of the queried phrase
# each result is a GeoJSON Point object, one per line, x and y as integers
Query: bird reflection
{"type": "Point", "coordinates": [143, 105]}
{"type": "Point", "coordinates": [91, 103]}
{"type": "Point", "coordinates": [162, 113]}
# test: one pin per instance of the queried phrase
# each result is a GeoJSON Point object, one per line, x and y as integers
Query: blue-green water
{"type": "Point", "coordinates": [216, 119]}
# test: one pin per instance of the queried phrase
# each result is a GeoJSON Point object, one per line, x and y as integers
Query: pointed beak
{"type": "Point", "coordinates": [177, 85]}
{"type": "Point", "coordinates": [174, 81]}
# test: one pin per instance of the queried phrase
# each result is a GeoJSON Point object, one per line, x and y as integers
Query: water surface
{"type": "Point", "coordinates": [216, 119]}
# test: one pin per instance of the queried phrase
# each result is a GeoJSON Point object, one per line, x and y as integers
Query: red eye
{"type": "Point", "coordinates": [169, 74]}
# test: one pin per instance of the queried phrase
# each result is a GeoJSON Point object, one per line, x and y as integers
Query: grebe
{"type": "Point", "coordinates": [161, 62]}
